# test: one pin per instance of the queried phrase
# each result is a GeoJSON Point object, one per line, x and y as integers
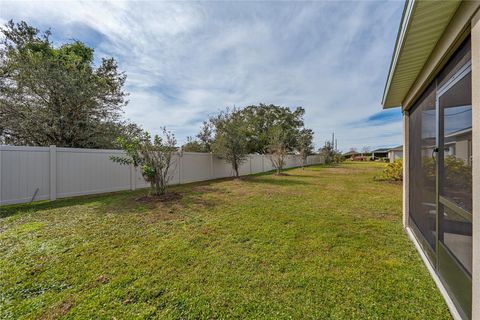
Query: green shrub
{"type": "Point", "coordinates": [458, 174]}
{"type": "Point", "coordinates": [393, 171]}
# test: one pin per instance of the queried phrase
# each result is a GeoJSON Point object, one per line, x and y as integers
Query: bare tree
{"type": "Point", "coordinates": [365, 150]}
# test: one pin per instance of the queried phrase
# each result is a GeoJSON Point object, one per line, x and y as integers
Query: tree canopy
{"type": "Point", "coordinates": [258, 121]}
{"type": "Point", "coordinates": [230, 141]}
{"type": "Point", "coordinates": [56, 95]}
{"type": "Point", "coordinates": [203, 141]}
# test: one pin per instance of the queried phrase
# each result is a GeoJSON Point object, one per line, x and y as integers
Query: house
{"type": "Point", "coordinates": [356, 156]}
{"type": "Point", "coordinates": [434, 77]}
{"type": "Point", "coordinates": [380, 153]}
{"type": "Point", "coordinates": [459, 145]}
{"type": "Point", "coordinates": [351, 154]}
{"type": "Point", "coordinates": [395, 153]}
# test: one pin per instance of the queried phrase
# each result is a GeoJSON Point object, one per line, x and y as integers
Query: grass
{"type": "Point", "coordinates": [323, 243]}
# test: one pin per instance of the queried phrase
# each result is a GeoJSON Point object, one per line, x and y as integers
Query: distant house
{"type": "Point", "coordinates": [395, 153]}
{"type": "Point", "coordinates": [351, 154]}
{"type": "Point", "coordinates": [356, 156]}
{"type": "Point", "coordinates": [435, 78]}
{"type": "Point", "coordinates": [458, 144]}
{"type": "Point", "coordinates": [380, 153]}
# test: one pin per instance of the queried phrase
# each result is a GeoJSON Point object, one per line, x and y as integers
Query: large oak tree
{"type": "Point", "coordinates": [56, 95]}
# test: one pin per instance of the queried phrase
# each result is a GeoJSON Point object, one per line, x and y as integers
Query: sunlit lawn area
{"type": "Point", "coordinates": [323, 243]}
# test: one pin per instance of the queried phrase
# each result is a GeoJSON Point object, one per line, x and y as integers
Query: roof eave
{"type": "Point", "coordinates": [402, 30]}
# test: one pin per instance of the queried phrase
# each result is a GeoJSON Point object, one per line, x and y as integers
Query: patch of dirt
{"type": "Point", "coordinates": [206, 202]}
{"type": "Point", "coordinates": [165, 214]}
{"type": "Point", "coordinates": [102, 279]}
{"type": "Point", "coordinates": [281, 174]}
{"type": "Point", "coordinates": [206, 230]}
{"type": "Point", "coordinates": [167, 197]}
{"type": "Point", "coordinates": [208, 189]}
{"type": "Point", "coordinates": [36, 269]}
{"type": "Point", "coordinates": [58, 310]}
{"type": "Point", "coordinates": [343, 170]}
{"type": "Point", "coordinates": [272, 192]}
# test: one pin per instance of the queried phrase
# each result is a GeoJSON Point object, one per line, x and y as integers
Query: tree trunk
{"type": "Point", "coordinates": [235, 167]}
{"type": "Point", "coordinates": [152, 188]}
{"type": "Point", "coordinates": [158, 189]}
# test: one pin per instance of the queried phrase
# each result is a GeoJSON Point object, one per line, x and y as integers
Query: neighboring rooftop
{"type": "Point", "coordinates": [351, 153]}
{"type": "Point", "coordinates": [397, 148]}
{"type": "Point", "coordinates": [381, 150]}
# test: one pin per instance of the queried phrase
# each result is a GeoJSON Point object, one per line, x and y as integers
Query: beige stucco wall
{"type": "Point", "coordinates": [406, 175]}
{"type": "Point", "coordinates": [395, 155]}
{"type": "Point", "coordinates": [462, 150]}
{"type": "Point", "coordinates": [476, 164]}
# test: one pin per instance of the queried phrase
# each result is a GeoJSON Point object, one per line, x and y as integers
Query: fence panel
{"type": "Point", "coordinates": [24, 173]}
{"type": "Point", "coordinates": [40, 173]}
{"type": "Point", "coordinates": [221, 169]}
{"type": "Point", "coordinates": [256, 163]}
{"type": "Point", "coordinates": [87, 171]}
{"type": "Point", "coordinates": [196, 167]}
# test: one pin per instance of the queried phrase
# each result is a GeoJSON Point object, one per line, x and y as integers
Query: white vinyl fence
{"type": "Point", "coordinates": [40, 173]}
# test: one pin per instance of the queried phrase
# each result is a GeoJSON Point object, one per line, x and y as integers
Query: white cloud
{"type": "Point", "coordinates": [186, 61]}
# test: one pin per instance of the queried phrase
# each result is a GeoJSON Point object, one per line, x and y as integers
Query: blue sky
{"type": "Point", "coordinates": [186, 61]}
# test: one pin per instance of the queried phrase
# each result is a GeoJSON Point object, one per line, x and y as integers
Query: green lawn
{"type": "Point", "coordinates": [323, 243]}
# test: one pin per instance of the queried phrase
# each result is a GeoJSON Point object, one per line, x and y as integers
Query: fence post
{"type": "Point", "coordinates": [263, 163]}
{"type": "Point", "coordinates": [180, 168]}
{"type": "Point", "coordinates": [53, 172]}
{"type": "Point", "coordinates": [212, 172]}
{"type": "Point", "coordinates": [133, 177]}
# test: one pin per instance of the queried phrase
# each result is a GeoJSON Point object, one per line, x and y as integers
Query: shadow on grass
{"type": "Point", "coordinates": [318, 167]}
{"type": "Point", "coordinates": [122, 201]}
{"type": "Point", "coordinates": [125, 200]}
{"type": "Point", "coordinates": [102, 199]}
{"type": "Point", "coordinates": [279, 180]}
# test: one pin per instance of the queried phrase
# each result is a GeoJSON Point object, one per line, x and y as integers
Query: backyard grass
{"type": "Point", "coordinates": [323, 243]}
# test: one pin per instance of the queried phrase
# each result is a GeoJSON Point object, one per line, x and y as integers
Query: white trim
{"type": "Point", "coordinates": [451, 306]}
{"type": "Point", "coordinates": [459, 75]}
{"type": "Point", "coordinates": [475, 36]}
{"type": "Point", "coordinates": [198, 153]}
{"type": "Point", "coordinates": [399, 45]}
{"type": "Point", "coordinates": [53, 172]}
{"type": "Point", "coordinates": [24, 148]}
{"type": "Point", "coordinates": [80, 150]}
{"type": "Point", "coordinates": [406, 173]}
